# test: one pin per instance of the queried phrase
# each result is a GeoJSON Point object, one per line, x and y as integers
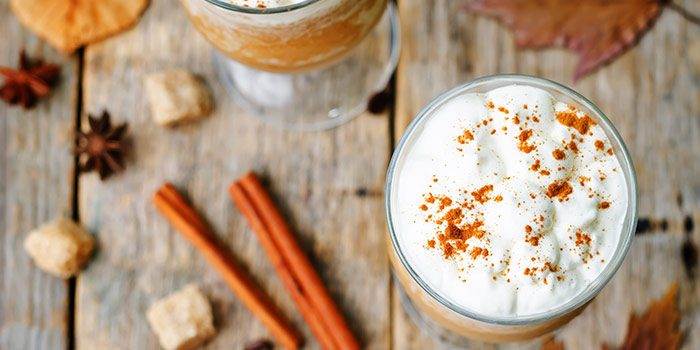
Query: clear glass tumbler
{"type": "Point", "coordinates": [306, 66]}
{"type": "Point", "coordinates": [437, 309]}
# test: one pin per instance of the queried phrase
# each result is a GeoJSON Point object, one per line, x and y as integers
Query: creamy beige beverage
{"type": "Point", "coordinates": [506, 204]}
{"type": "Point", "coordinates": [285, 35]}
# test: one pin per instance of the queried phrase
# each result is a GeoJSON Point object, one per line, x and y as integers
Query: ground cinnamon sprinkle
{"type": "Point", "coordinates": [477, 252]}
{"type": "Point", "coordinates": [454, 237]}
{"type": "Point", "coordinates": [523, 137]}
{"type": "Point", "coordinates": [448, 250]}
{"type": "Point", "coordinates": [545, 172]}
{"type": "Point", "coordinates": [445, 202]}
{"type": "Point", "coordinates": [582, 238]}
{"type": "Point", "coordinates": [423, 207]}
{"type": "Point", "coordinates": [461, 246]}
{"type": "Point", "coordinates": [599, 145]}
{"type": "Point", "coordinates": [465, 137]}
{"type": "Point", "coordinates": [502, 109]}
{"type": "Point", "coordinates": [498, 198]}
{"type": "Point", "coordinates": [583, 180]}
{"type": "Point", "coordinates": [536, 166]}
{"type": "Point", "coordinates": [610, 151]}
{"type": "Point", "coordinates": [534, 241]}
{"type": "Point", "coordinates": [560, 189]}
{"type": "Point", "coordinates": [524, 106]}
{"type": "Point", "coordinates": [516, 120]}
{"type": "Point", "coordinates": [453, 216]}
{"type": "Point", "coordinates": [548, 266]}
{"type": "Point", "coordinates": [490, 105]}
{"type": "Point", "coordinates": [572, 146]}
{"type": "Point", "coordinates": [558, 154]}
{"type": "Point", "coordinates": [480, 194]}
{"type": "Point", "coordinates": [604, 205]}
{"type": "Point", "coordinates": [571, 119]}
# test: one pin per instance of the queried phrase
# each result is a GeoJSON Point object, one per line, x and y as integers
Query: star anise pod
{"type": "Point", "coordinates": [30, 82]}
{"type": "Point", "coordinates": [101, 148]}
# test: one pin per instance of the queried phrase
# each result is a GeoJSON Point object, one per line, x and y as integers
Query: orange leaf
{"type": "Point", "coordinates": [551, 344]}
{"type": "Point", "coordinates": [597, 30]}
{"type": "Point", "coordinates": [656, 329]}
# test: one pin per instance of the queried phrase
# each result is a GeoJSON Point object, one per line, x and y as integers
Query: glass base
{"type": "Point", "coordinates": [322, 98]}
{"type": "Point", "coordinates": [450, 339]}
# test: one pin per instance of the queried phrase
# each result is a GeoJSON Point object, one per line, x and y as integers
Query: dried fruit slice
{"type": "Point", "coordinates": [70, 24]}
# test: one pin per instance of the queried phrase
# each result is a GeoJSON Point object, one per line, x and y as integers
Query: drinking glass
{"type": "Point", "coordinates": [460, 326]}
{"type": "Point", "coordinates": [310, 65]}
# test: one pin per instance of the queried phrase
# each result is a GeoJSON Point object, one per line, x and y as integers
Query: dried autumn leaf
{"type": "Point", "coordinates": [70, 24]}
{"type": "Point", "coordinates": [597, 30]}
{"type": "Point", "coordinates": [552, 344]}
{"type": "Point", "coordinates": [656, 329]}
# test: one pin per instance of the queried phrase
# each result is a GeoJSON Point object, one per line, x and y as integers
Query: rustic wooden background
{"type": "Point", "coordinates": [329, 184]}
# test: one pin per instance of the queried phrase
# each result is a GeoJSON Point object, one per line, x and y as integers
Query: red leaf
{"type": "Point", "coordinates": [597, 30]}
{"type": "Point", "coordinates": [656, 329]}
{"type": "Point", "coordinates": [552, 344]}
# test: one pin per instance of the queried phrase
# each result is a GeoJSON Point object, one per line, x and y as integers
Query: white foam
{"type": "Point", "coordinates": [496, 284]}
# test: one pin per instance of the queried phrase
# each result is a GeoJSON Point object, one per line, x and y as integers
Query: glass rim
{"type": "Point", "coordinates": [626, 237]}
{"type": "Point", "coordinates": [261, 11]}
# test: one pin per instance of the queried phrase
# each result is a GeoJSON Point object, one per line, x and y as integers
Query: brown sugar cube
{"type": "Point", "coordinates": [60, 247]}
{"type": "Point", "coordinates": [182, 320]}
{"type": "Point", "coordinates": [177, 96]}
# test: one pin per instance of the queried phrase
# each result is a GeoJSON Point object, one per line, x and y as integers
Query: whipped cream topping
{"type": "Point", "coordinates": [509, 202]}
{"type": "Point", "coordinates": [264, 3]}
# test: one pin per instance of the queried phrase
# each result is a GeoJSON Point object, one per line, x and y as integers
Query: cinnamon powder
{"type": "Point", "coordinates": [572, 146]}
{"type": "Point", "coordinates": [558, 154]}
{"type": "Point", "coordinates": [465, 137]}
{"type": "Point", "coordinates": [480, 194]}
{"type": "Point", "coordinates": [599, 145]}
{"type": "Point", "coordinates": [477, 252]}
{"type": "Point", "coordinates": [523, 137]}
{"type": "Point", "coordinates": [571, 119]}
{"type": "Point", "coordinates": [559, 189]}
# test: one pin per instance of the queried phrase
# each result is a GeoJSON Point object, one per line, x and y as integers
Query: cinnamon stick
{"type": "Point", "coordinates": [179, 214]}
{"type": "Point", "coordinates": [311, 316]}
{"type": "Point", "coordinates": [295, 260]}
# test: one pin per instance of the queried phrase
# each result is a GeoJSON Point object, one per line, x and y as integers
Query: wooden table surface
{"type": "Point", "coordinates": [329, 183]}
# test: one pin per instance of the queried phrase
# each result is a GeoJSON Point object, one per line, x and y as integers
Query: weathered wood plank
{"type": "Point", "coordinates": [652, 95]}
{"type": "Point", "coordinates": [327, 183]}
{"type": "Point", "coordinates": [35, 186]}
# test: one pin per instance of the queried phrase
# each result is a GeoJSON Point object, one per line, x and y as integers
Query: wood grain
{"type": "Point", "coordinates": [652, 95]}
{"type": "Point", "coordinates": [35, 186]}
{"type": "Point", "coordinates": [328, 185]}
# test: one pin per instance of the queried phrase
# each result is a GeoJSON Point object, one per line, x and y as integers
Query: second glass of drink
{"type": "Point", "coordinates": [301, 64]}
